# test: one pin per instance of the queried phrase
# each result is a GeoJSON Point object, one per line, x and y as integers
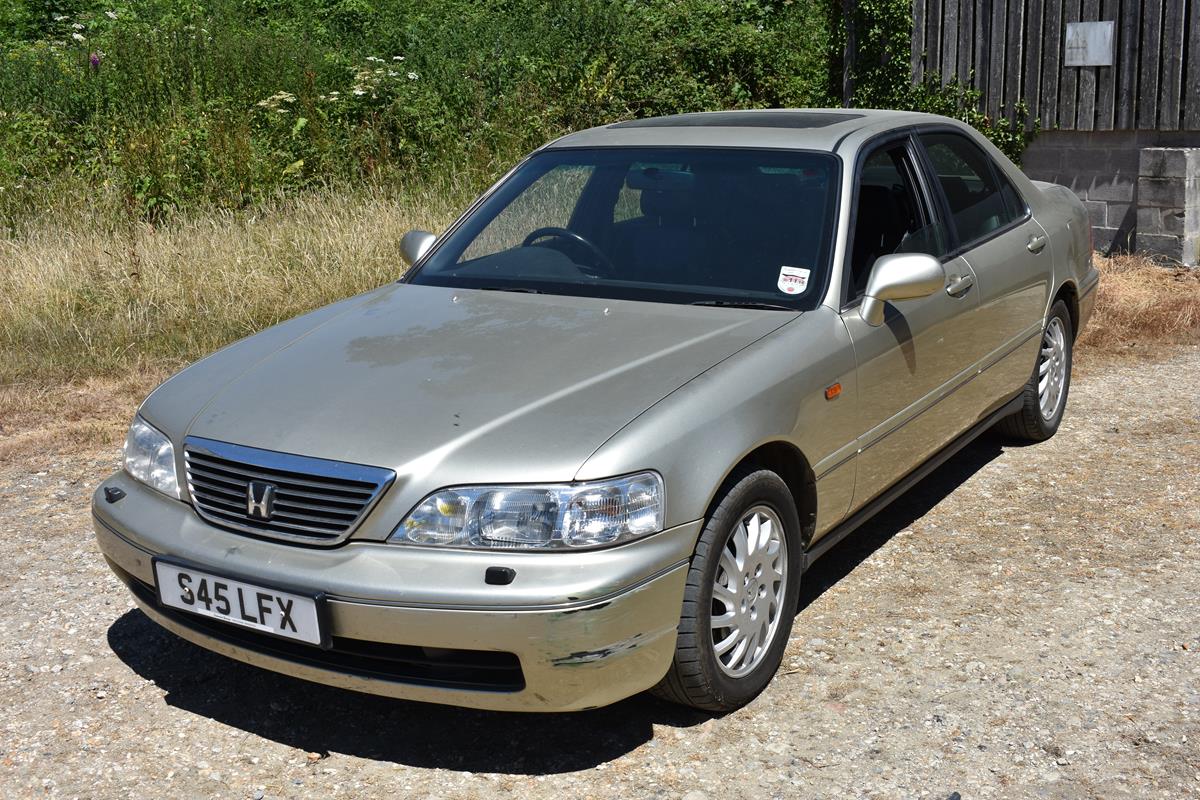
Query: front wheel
{"type": "Point", "coordinates": [1044, 398]}
{"type": "Point", "coordinates": [740, 597]}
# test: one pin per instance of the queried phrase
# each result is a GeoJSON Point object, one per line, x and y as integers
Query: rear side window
{"type": "Point", "coordinates": [981, 200]}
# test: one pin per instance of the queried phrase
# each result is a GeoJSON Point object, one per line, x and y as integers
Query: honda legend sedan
{"type": "Point", "coordinates": [589, 442]}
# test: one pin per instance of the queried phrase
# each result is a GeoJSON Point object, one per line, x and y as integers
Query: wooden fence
{"type": "Point", "coordinates": [1012, 50]}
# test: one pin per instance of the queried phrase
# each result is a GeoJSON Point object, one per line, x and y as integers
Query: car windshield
{"type": "Point", "coordinates": [719, 226]}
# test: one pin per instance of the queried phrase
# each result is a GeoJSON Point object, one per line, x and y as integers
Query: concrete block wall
{"type": "Point", "coordinates": [1168, 213]}
{"type": "Point", "coordinates": [1137, 186]}
{"type": "Point", "coordinates": [1102, 168]}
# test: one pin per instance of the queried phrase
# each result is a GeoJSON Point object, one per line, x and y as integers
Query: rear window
{"type": "Point", "coordinates": [981, 200]}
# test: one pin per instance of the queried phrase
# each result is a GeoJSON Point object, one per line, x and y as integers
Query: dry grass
{"type": "Point", "coordinates": [93, 315]}
{"type": "Point", "coordinates": [1142, 303]}
{"type": "Point", "coordinates": [82, 297]}
{"type": "Point", "coordinates": [66, 419]}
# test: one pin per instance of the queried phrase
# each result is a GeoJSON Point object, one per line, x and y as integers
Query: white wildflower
{"type": "Point", "coordinates": [392, 73]}
{"type": "Point", "coordinates": [110, 14]}
{"type": "Point", "coordinates": [360, 92]}
{"type": "Point", "coordinates": [59, 17]}
{"type": "Point", "coordinates": [412, 76]}
{"type": "Point", "coordinates": [397, 58]}
{"type": "Point", "coordinates": [77, 36]}
{"type": "Point", "coordinates": [77, 26]}
{"type": "Point", "coordinates": [272, 102]}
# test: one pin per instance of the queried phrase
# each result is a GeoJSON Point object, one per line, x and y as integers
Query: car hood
{"type": "Point", "coordinates": [453, 385]}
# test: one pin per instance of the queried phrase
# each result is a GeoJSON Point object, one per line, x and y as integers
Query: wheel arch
{"type": "Point", "coordinates": [789, 463]}
{"type": "Point", "coordinates": [1069, 294]}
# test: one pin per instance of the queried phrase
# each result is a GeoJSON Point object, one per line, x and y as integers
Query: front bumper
{"type": "Point", "coordinates": [587, 629]}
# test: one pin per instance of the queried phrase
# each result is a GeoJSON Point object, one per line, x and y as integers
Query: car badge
{"type": "Point", "coordinates": [260, 499]}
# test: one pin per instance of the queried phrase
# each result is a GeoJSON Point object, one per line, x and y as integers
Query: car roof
{"type": "Point", "coordinates": [791, 128]}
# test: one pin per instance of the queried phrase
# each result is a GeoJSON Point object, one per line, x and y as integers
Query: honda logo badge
{"type": "Point", "coordinates": [260, 499]}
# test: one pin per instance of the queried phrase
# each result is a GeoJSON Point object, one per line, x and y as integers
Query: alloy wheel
{"type": "Point", "coordinates": [1052, 368]}
{"type": "Point", "coordinates": [748, 591]}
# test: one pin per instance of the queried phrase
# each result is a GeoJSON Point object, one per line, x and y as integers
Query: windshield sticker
{"type": "Point", "coordinates": [792, 280]}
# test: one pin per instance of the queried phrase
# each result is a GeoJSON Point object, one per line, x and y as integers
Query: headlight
{"type": "Point", "coordinates": [150, 458]}
{"type": "Point", "coordinates": [548, 517]}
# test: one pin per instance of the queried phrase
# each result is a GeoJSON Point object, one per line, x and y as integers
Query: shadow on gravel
{"type": "Point", "coordinates": [900, 514]}
{"type": "Point", "coordinates": [323, 719]}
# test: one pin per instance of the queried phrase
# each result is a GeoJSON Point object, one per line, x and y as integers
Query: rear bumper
{"type": "Point", "coordinates": [573, 630]}
{"type": "Point", "coordinates": [1087, 298]}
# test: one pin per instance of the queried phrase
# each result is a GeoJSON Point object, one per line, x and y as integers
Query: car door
{"type": "Point", "coordinates": [1007, 249]}
{"type": "Point", "coordinates": [912, 369]}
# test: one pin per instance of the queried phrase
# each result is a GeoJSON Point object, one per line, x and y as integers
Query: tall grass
{"type": "Point", "coordinates": [95, 311]}
{"type": "Point", "coordinates": [82, 294]}
{"type": "Point", "coordinates": [85, 294]}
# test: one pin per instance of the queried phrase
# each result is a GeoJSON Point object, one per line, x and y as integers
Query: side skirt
{"type": "Point", "coordinates": [826, 542]}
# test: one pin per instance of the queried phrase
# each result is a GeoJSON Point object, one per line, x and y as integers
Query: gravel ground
{"type": "Point", "coordinates": [1022, 624]}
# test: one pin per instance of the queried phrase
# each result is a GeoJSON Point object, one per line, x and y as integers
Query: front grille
{"type": "Point", "coordinates": [316, 501]}
{"type": "Point", "coordinates": [479, 670]}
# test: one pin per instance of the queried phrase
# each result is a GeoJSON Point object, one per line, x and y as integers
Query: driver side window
{"type": "Point", "coordinates": [889, 215]}
{"type": "Point", "coordinates": [549, 201]}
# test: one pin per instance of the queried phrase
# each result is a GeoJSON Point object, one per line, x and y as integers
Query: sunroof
{"type": "Point", "coordinates": [742, 119]}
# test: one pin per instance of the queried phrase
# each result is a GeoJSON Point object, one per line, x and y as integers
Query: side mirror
{"type": "Point", "coordinates": [900, 276]}
{"type": "Point", "coordinates": [415, 244]}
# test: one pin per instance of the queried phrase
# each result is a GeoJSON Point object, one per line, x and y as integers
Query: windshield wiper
{"type": "Point", "coordinates": [743, 304]}
{"type": "Point", "coordinates": [521, 289]}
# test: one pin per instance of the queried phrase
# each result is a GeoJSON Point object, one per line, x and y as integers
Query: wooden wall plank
{"type": "Point", "coordinates": [1085, 103]}
{"type": "Point", "coordinates": [933, 38]}
{"type": "Point", "coordinates": [949, 65]}
{"type": "Point", "coordinates": [1034, 38]}
{"type": "Point", "coordinates": [1127, 64]}
{"type": "Point", "coordinates": [1070, 75]}
{"type": "Point", "coordinates": [995, 90]}
{"type": "Point", "coordinates": [1052, 44]}
{"type": "Point", "coordinates": [983, 48]}
{"type": "Point", "coordinates": [1149, 56]}
{"type": "Point", "coordinates": [1106, 77]}
{"type": "Point", "coordinates": [918, 41]}
{"type": "Point", "coordinates": [1014, 57]}
{"type": "Point", "coordinates": [1172, 64]}
{"type": "Point", "coordinates": [966, 31]}
{"type": "Point", "coordinates": [1191, 97]}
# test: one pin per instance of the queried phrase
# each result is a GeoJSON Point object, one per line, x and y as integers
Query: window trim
{"type": "Point", "coordinates": [926, 200]}
{"type": "Point", "coordinates": [961, 247]}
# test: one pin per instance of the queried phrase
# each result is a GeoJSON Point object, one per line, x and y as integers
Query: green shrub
{"type": "Point", "coordinates": [183, 103]}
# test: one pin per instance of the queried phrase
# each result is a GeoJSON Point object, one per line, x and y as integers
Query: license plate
{"type": "Point", "coordinates": [248, 605]}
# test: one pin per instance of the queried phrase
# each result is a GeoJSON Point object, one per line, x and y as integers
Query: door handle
{"type": "Point", "coordinates": [1036, 244]}
{"type": "Point", "coordinates": [959, 284]}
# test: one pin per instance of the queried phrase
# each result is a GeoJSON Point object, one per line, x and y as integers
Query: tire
{"type": "Point", "coordinates": [1037, 421]}
{"type": "Point", "coordinates": [700, 677]}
